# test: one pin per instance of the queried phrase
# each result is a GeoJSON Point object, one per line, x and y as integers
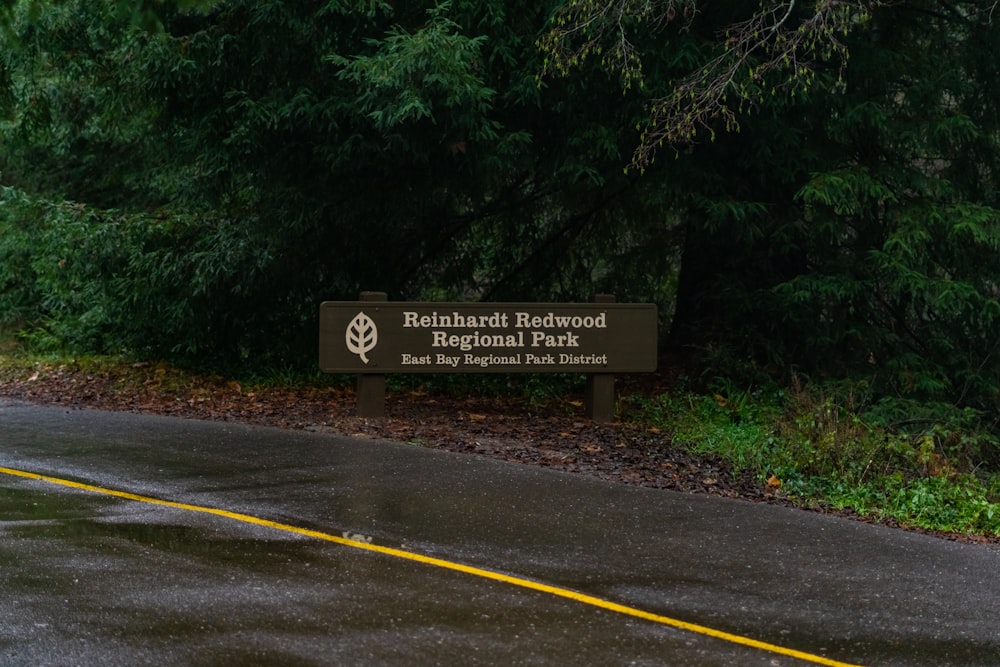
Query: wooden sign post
{"type": "Point", "coordinates": [600, 396]}
{"type": "Point", "coordinates": [371, 386]}
{"type": "Point", "coordinates": [372, 337]}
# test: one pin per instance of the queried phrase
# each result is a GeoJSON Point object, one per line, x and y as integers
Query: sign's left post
{"type": "Point", "coordinates": [371, 386]}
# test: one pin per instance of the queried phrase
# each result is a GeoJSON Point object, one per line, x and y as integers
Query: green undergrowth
{"type": "Point", "coordinates": [922, 465]}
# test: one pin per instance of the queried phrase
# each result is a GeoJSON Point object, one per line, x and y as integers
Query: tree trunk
{"type": "Point", "coordinates": [697, 312]}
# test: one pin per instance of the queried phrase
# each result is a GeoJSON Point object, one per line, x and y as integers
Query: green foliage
{"type": "Point", "coordinates": [926, 472]}
{"type": "Point", "coordinates": [49, 270]}
{"type": "Point", "coordinates": [417, 76]}
{"type": "Point", "coordinates": [831, 445]}
{"type": "Point", "coordinates": [959, 504]}
{"type": "Point", "coordinates": [195, 190]}
{"type": "Point", "coordinates": [903, 251]}
{"type": "Point", "coordinates": [19, 294]}
{"type": "Point", "coordinates": [736, 427]}
{"type": "Point", "coordinates": [853, 231]}
{"type": "Point", "coordinates": [87, 279]}
{"type": "Point", "coordinates": [251, 159]}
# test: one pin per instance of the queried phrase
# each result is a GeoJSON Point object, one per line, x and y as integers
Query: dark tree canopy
{"type": "Point", "coordinates": [816, 192]}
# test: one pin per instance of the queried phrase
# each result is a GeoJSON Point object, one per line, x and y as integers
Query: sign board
{"type": "Point", "coordinates": [407, 337]}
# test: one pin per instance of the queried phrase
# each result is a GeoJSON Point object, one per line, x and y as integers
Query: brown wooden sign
{"type": "Point", "coordinates": [378, 337]}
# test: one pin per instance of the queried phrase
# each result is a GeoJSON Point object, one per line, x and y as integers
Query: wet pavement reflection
{"type": "Point", "coordinates": [94, 579]}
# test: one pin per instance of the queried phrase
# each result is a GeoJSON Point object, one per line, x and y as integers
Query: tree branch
{"type": "Point", "coordinates": [755, 50]}
{"type": "Point", "coordinates": [768, 52]}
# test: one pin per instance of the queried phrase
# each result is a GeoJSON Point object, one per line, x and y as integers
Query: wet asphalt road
{"type": "Point", "coordinates": [92, 579]}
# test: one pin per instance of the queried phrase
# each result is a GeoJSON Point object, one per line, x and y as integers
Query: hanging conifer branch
{"type": "Point", "coordinates": [582, 29]}
{"type": "Point", "coordinates": [774, 50]}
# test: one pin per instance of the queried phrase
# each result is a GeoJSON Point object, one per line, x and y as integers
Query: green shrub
{"type": "Point", "coordinates": [830, 445]}
{"type": "Point", "coordinates": [182, 286]}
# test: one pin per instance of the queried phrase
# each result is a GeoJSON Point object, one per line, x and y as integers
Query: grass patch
{"type": "Point", "coordinates": [738, 430]}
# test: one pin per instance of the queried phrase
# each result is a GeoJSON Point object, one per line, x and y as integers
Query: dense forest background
{"type": "Point", "coordinates": [805, 189]}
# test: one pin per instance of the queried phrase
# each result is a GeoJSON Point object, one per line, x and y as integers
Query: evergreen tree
{"type": "Point", "coordinates": [843, 217]}
{"type": "Point", "coordinates": [810, 186]}
{"type": "Point", "coordinates": [268, 155]}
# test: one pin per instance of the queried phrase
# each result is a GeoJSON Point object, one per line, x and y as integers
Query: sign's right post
{"type": "Point", "coordinates": [600, 398]}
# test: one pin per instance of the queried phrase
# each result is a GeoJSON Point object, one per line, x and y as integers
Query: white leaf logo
{"type": "Point", "coordinates": [361, 336]}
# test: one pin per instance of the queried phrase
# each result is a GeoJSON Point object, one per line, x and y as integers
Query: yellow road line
{"type": "Point", "coordinates": [448, 565]}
